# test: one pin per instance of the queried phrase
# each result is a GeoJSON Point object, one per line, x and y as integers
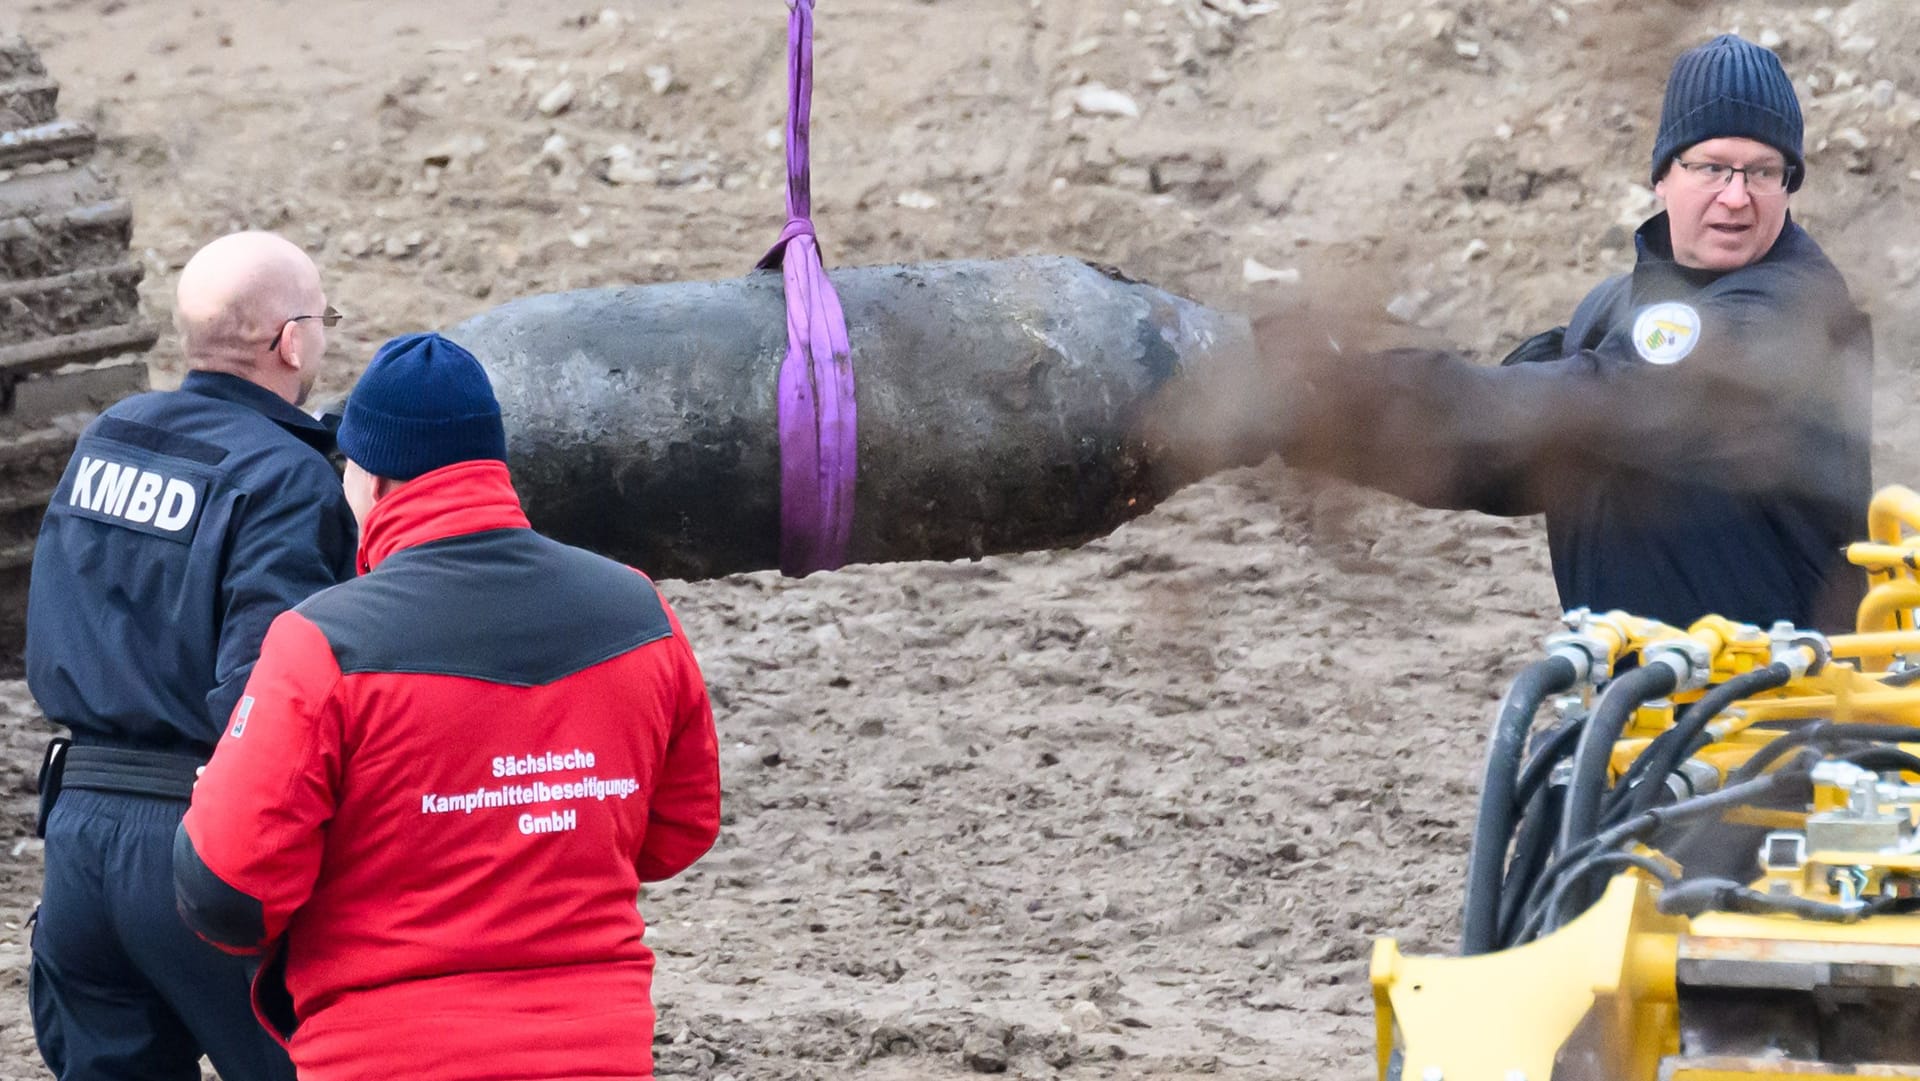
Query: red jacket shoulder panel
{"type": "Point", "coordinates": [257, 813]}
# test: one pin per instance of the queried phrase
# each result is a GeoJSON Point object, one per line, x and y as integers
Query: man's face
{"type": "Point", "coordinates": [1727, 228]}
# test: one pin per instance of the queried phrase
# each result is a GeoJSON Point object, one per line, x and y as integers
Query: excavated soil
{"type": "Point", "coordinates": [1135, 810]}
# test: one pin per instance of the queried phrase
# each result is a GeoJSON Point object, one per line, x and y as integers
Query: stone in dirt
{"type": "Point", "coordinates": [557, 100]}
{"type": "Point", "coordinates": [985, 1051]}
{"type": "Point", "coordinates": [1097, 99]}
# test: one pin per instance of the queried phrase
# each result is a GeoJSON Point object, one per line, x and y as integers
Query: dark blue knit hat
{"type": "Point", "coordinates": [1730, 88]}
{"type": "Point", "coordinates": [422, 403]}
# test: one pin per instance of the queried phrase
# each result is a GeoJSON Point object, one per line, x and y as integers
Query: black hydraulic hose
{"type": "Point", "coordinates": [1493, 829]}
{"type": "Point", "coordinates": [1905, 678]}
{"type": "Point", "coordinates": [1531, 851]}
{"type": "Point", "coordinates": [1558, 744]}
{"type": "Point", "coordinates": [1610, 717]}
{"type": "Point", "coordinates": [1821, 732]}
{"type": "Point", "coordinates": [1723, 895]}
{"type": "Point", "coordinates": [1539, 823]}
{"type": "Point", "coordinates": [1885, 759]}
{"type": "Point", "coordinates": [1795, 780]}
{"type": "Point", "coordinates": [1679, 738]}
{"type": "Point", "coordinates": [1754, 769]}
{"type": "Point", "coordinates": [1620, 800]}
{"type": "Point", "coordinates": [1546, 888]}
{"type": "Point", "coordinates": [1713, 803]}
{"type": "Point", "coordinates": [1619, 803]}
{"type": "Point", "coordinates": [1757, 764]}
{"type": "Point", "coordinates": [1546, 919]}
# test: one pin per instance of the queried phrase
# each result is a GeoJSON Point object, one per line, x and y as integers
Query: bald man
{"type": "Point", "coordinates": [186, 521]}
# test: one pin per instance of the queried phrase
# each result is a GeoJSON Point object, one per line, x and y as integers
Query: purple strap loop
{"type": "Point", "coordinates": [819, 443]}
{"type": "Point", "coordinates": [795, 229]}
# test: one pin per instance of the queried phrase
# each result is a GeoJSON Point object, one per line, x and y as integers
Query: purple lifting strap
{"type": "Point", "coordinates": [818, 429]}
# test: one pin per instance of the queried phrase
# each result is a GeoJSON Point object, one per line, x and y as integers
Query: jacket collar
{"type": "Point", "coordinates": [231, 388]}
{"type": "Point", "coordinates": [454, 500]}
{"type": "Point", "coordinates": [1653, 244]}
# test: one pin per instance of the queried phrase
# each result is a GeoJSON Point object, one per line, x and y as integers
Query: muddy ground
{"type": "Point", "coordinates": [1135, 810]}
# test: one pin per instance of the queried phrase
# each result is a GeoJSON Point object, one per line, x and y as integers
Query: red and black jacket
{"type": "Point", "coordinates": [443, 788]}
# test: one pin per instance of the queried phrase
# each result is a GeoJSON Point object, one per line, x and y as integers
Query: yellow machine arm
{"type": "Point", "coordinates": [1707, 870]}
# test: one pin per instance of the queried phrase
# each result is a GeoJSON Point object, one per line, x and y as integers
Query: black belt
{"type": "Point", "coordinates": [135, 773]}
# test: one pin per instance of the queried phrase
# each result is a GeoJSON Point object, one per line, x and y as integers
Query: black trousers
{"type": "Point", "coordinates": [120, 988]}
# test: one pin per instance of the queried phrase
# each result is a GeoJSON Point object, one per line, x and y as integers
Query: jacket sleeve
{"type": "Point", "coordinates": [290, 542]}
{"type": "Point", "coordinates": [248, 851]}
{"type": "Point", "coordinates": [1761, 405]}
{"type": "Point", "coordinates": [683, 819]}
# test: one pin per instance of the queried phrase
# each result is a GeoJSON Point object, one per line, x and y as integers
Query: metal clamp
{"type": "Point", "coordinates": [1586, 652]}
{"type": "Point", "coordinates": [1691, 662]}
{"type": "Point", "coordinates": [1804, 652]}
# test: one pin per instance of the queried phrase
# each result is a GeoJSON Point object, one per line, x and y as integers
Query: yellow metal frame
{"type": "Point", "coordinates": [1891, 558]}
{"type": "Point", "coordinates": [1614, 963]}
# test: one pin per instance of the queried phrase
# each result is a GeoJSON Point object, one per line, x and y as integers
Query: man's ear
{"type": "Point", "coordinates": [290, 349]}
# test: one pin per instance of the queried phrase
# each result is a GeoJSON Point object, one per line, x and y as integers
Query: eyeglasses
{"type": "Point", "coordinates": [329, 319]}
{"type": "Point", "coordinates": [1761, 179]}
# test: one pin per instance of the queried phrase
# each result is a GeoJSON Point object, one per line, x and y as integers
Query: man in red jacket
{"type": "Point", "coordinates": [434, 806]}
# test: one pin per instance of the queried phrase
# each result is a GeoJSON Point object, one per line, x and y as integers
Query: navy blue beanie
{"type": "Point", "coordinates": [423, 402]}
{"type": "Point", "coordinates": [1730, 88]}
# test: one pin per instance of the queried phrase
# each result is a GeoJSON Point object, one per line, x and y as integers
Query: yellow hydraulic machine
{"type": "Point", "coordinates": [1704, 867]}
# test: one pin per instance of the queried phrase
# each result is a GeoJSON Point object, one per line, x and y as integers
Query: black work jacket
{"type": "Point", "coordinates": [1699, 442]}
{"type": "Point", "coordinates": [185, 522]}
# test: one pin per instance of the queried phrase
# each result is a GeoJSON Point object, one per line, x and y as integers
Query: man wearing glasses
{"type": "Point", "coordinates": [185, 523]}
{"type": "Point", "coordinates": [1698, 435]}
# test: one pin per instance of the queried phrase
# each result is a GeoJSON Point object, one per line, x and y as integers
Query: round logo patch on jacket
{"type": "Point", "coordinates": [1666, 333]}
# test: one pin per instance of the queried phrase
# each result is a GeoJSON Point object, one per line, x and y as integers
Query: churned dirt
{"type": "Point", "coordinates": [1135, 810]}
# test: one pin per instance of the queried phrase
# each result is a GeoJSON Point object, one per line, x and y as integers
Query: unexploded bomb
{"type": "Point", "coordinates": [1002, 406]}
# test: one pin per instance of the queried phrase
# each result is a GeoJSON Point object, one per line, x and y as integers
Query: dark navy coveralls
{"type": "Point", "coordinates": [1698, 441]}
{"type": "Point", "coordinates": [186, 521]}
